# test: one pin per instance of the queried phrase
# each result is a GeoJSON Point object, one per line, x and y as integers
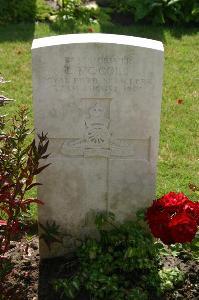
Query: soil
{"type": "Point", "coordinates": [32, 279]}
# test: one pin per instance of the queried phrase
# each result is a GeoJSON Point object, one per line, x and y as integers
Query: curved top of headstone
{"type": "Point", "coordinates": [97, 38]}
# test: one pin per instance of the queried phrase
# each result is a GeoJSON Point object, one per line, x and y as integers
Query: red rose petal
{"type": "Point", "coordinates": [183, 228]}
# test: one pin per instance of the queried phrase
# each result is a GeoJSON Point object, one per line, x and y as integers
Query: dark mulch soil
{"type": "Point", "coordinates": [31, 278]}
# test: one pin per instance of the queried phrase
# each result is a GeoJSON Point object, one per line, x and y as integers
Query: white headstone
{"type": "Point", "coordinates": [99, 98]}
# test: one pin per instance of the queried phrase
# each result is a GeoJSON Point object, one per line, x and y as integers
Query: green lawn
{"type": "Point", "coordinates": [178, 163]}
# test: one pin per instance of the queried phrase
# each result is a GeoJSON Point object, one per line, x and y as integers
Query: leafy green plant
{"type": "Point", "coordinates": [17, 11]}
{"type": "Point", "coordinates": [122, 264]}
{"type": "Point", "coordinates": [43, 11]}
{"type": "Point", "coordinates": [159, 11]}
{"type": "Point", "coordinates": [14, 11]}
{"type": "Point", "coordinates": [170, 278]}
{"type": "Point", "coordinates": [189, 251]}
{"type": "Point", "coordinates": [73, 13]}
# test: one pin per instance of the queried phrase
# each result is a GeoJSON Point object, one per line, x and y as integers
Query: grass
{"type": "Point", "coordinates": [178, 154]}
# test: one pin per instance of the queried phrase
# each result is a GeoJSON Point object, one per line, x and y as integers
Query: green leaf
{"type": "Point", "coordinates": [172, 2]}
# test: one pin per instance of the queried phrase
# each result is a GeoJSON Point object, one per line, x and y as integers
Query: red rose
{"type": "Point", "coordinates": [158, 223]}
{"type": "Point", "coordinates": [156, 208]}
{"type": "Point", "coordinates": [173, 218]}
{"type": "Point", "coordinates": [192, 209]}
{"type": "Point", "coordinates": [173, 202]}
{"type": "Point", "coordinates": [182, 228]}
{"type": "Point", "coordinates": [161, 231]}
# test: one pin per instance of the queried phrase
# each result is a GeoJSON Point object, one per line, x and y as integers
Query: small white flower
{"type": "Point", "coordinates": [95, 22]}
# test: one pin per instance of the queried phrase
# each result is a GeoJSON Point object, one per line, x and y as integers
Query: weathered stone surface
{"type": "Point", "coordinates": [99, 97]}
